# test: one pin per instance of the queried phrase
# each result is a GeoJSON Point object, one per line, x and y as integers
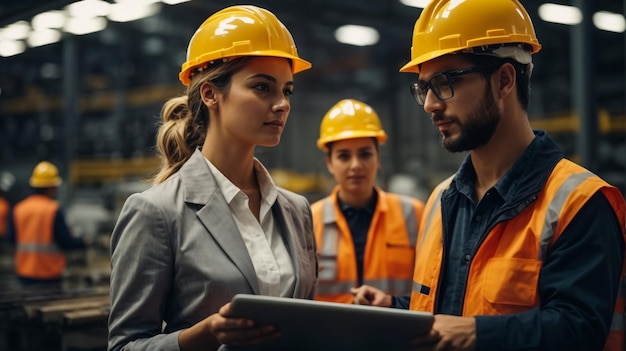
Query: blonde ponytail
{"type": "Point", "coordinates": [177, 138]}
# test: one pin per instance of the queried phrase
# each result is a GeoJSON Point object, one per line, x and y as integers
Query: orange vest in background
{"type": "Point", "coordinates": [389, 249]}
{"type": "Point", "coordinates": [36, 253]}
{"type": "Point", "coordinates": [4, 213]}
{"type": "Point", "coordinates": [514, 250]}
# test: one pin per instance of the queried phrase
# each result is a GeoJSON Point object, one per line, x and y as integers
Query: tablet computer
{"type": "Point", "coordinates": [307, 325]}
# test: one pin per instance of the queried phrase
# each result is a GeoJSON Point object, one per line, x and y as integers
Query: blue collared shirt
{"type": "Point", "coordinates": [359, 220]}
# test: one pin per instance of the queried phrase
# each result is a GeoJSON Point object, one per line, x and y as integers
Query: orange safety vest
{"type": "Point", "coordinates": [4, 212]}
{"type": "Point", "coordinates": [389, 249]}
{"type": "Point", "coordinates": [36, 254]}
{"type": "Point", "coordinates": [513, 250]}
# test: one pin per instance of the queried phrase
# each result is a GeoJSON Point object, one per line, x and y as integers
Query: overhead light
{"type": "Point", "coordinates": [11, 47]}
{"type": "Point", "coordinates": [43, 37]}
{"type": "Point", "coordinates": [609, 21]}
{"type": "Point", "coordinates": [415, 3]}
{"type": "Point", "coordinates": [560, 14]}
{"type": "Point", "coordinates": [357, 35]}
{"type": "Point", "coordinates": [126, 11]}
{"type": "Point", "coordinates": [88, 8]}
{"type": "Point", "coordinates": [174, 2]}
{"type": "Point", "coordinates": [16, 31]}
{"type": "Point", "coordinates": [49, 19]}
{"type": "Point", "coordinates": [80, 26]}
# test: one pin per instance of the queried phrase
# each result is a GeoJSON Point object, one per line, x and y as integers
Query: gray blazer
{"type": "Point", "coordinates": [177, 257]}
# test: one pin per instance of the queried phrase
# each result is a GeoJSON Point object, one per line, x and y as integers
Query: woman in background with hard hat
{"type": "Point", "coordinates": [364, 235]}
{"type": "Point", "coordinates": [214, 224]}
{"type": "Point", "coordinates": [38, 229]}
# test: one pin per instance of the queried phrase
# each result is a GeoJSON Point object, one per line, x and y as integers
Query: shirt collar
{"type": "Point", "coordinates": [229, 190]}
{"type": "Point", "coordinates": [370, 207]}
{"type": "Point", "coordinates": [269, 193]}
{"type": "Point", "coordinates": [506, 186]}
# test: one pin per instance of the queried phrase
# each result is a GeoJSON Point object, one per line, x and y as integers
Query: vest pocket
{"type": "Point", "coordinates": [511, 281]}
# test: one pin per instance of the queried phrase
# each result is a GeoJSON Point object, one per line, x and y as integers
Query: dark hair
{"type": "Point", "coordinates": [522, 73]}
{"type": "Point", "coordinates": [329, 146]}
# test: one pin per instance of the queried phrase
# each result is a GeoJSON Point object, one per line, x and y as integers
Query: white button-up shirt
{"type": "Point", "coordinates": [269, 254]}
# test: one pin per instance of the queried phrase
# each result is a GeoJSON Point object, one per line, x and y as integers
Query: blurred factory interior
{"type": "Point", "coordinates": [88, 100]}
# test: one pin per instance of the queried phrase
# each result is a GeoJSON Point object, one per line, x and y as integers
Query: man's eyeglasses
{"type": "Point", "coordinates": [442, 84]}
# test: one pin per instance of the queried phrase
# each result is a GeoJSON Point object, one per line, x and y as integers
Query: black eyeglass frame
{"type": "Point", "coordinates": [421, 98]}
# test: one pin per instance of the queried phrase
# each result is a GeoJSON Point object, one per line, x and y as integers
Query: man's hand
{"type": "Point", "coordinates": [450, 333]}
{"type": "Point", "coordinates": [369, 295]}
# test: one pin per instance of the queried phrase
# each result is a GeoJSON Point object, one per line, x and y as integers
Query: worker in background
{"type": "Point", "coordinates": [38, 229]}
{"type": "Point", "coordinates": [364, 235]}
{"type": "Point", "coordinates": [521, 249]}
{"type": "Point", "coordinates": [214, 224]}
{"type": "Point", "coordinates": [6, 183]}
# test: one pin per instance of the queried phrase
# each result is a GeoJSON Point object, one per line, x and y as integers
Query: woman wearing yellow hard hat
{"type": "Point", "coordinates": [214, 224]}
{"type": "Point", "coordinates": [364, 235]}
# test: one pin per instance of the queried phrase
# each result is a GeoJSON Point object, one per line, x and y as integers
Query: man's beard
{"type": "Point", "coordinates": [477, 129]}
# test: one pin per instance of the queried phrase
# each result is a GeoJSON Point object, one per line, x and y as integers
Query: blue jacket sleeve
{"type": "Point", "coordinates": [63, 236]}
{"type": "Point", "coordinates": [401, 301]}
{"type": "Point", "coordinates": [577, 287]}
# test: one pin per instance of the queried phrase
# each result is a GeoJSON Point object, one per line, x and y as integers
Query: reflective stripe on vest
{"type": "Point", "coordinates": [433, 210]}
{"type": "Point", "coordinates": [410, 220]}
{"type": "Point", "coordinates": [554, 210]}
{"type": "Point", "coordinates": [328, 251]}
{"type": "Point", "coordinates": [41, 248]}
{"type": "Point", "coordinates": [382, 284]}
{"type": "Point", "coordinates": [618, 321]}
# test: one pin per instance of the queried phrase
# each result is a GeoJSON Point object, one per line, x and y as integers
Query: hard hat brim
{"type": "Point", "coordinates": [297, 64]}
{"type": "Point", "coordinates": [53, 183]}
{"type": "Point", "coordinates": [380, 136]}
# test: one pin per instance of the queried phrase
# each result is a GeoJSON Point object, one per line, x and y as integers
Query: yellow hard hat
{"type": "Point", "coordinates": [45, 175]}
{"type": "Point", "coordinates": [236, 31]}
{"type": "Point", "coordinates": [350, 119]}
{"type": "Point", "coordinates": [448, 26]}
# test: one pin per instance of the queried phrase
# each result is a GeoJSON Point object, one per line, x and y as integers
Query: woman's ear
{"type": "Point", "coordinates": [208, 94]}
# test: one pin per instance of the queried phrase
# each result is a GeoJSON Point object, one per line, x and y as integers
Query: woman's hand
{"type": "Point", "coordinates": [218, 329]}
{"type": "Point", "coordinates": [239, 331]}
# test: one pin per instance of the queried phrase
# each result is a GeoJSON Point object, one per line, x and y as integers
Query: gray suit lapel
{"type": "Point", "coordinates": [200, 188]}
